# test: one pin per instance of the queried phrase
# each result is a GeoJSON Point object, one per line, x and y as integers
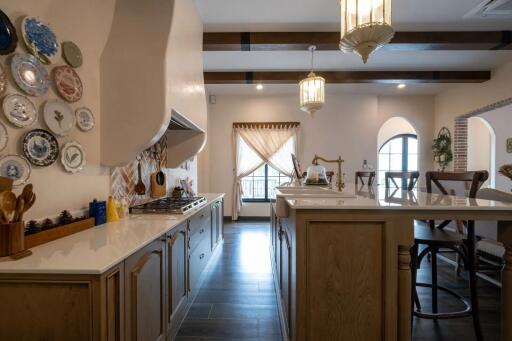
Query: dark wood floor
{"type": "Point", "coordinates": [237, 299]}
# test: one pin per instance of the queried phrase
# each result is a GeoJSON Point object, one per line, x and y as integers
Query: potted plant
{"type": "Point", "coordinates": [442, 148]}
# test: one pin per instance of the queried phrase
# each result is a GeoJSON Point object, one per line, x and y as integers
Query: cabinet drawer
{"type": "Point", "coordinates": [198, 260]}
{"type": "Point", "coordinates": [200, 235]}
{"type": "Point", "coordinates": [199, 219]}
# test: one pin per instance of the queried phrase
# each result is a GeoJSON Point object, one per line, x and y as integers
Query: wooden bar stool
{"type": "Point", "coordinates": [369, 174]}
{"type": "Point", "coordinates": [409, 179]}
{"type": "Point", "coordinates": [438, 239]}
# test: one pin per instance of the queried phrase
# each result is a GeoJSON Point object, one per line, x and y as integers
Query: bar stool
{"type": "Point", "coordinates": [437, 239]}
{"type": "Point", "coordinates": [369, 174]}
{"type": "Point", "coordinates": [409, 179]}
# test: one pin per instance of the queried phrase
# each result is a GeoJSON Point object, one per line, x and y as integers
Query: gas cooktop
{"type": "Point", "coordinates": [169, 205]}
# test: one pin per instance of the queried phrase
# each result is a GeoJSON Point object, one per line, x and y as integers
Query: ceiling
{"type": "Point", "coordinates": [323, 15]}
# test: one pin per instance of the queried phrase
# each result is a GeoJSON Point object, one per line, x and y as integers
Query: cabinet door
{"type": "Point", "coordinates": [177, 259]}
{"type": "Point", "coordinates": [145, 293]}
{"type": "Point", "coordinates": [285, 277]}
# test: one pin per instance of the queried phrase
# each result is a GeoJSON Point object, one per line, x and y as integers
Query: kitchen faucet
{"type": "Point", "coordinates": [341, 181]}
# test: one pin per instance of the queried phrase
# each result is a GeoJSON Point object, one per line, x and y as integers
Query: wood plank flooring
{"type": "Point", "coordinates": [237, 300]}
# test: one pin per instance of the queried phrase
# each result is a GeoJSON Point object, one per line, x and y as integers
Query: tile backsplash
{"type": "Point", "coordinates": [124, 179]}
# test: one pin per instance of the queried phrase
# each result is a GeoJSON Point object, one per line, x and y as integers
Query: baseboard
{"type": "Point", "coordinates": [247, 218]}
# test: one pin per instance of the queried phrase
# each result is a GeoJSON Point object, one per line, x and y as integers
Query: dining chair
{"type": "Point", "coordinates": [409, 179]}
{"type": "Point", "coordinates": [368, 174]}
{"type": "Point", "coordinates": [433, 238]}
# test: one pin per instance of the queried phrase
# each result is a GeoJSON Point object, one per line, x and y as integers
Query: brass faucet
{"type": "Point", "coordinates": [341, 181]}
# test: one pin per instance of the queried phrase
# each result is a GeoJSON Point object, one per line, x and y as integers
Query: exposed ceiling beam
{"type": "Point", "coordinates": [414, 41]}
{"type": "Point", "coordinates": [389, 77]}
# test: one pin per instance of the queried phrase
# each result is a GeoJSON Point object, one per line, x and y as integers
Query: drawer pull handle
{"type": "Point", "coordinates": [201, 256]}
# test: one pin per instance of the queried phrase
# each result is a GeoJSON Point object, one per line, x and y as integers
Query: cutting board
{"type": "Point", "coordinates": [157, 190]}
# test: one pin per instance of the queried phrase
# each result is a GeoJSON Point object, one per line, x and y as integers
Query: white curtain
{"type": "Point", "coordinates": [255, 145]}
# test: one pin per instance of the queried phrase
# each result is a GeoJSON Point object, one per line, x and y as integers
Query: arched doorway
{"type": "Point", "coordinates": [398, 148]}
{"type": "Point", "coordinates": [482, 148]}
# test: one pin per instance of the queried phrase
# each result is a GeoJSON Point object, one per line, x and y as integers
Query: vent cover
{"type": "Point", "coordinates": [491, 9]}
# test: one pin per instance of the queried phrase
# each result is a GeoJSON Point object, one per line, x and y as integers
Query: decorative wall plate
{"type": "Point", "coordinates": [73, 157]}
{"type": "Point", "coordinates": [68, 83]}
{"type": "Point", "coordinates": [3, 80]}
{"type": "Point", "coordinates": [40, 40]}
{"type": "Point", "coordinates": [84, 119]}
{"type": "Point", "coordinates": [72, 54]}
{"type": "Point", "coordinates": [15, 167]}
{"type": "Point", "coordinates": [19, 110]}
{"type": "Point", "coordinates": [8, 37]}
{"type": "Point", "coordinates": [40, 147]}
{"type": "Point", "coordinates": [4, 136]}
{"type": "Point", "coordinates": [30, 75]}
{"type": "Point", "coordinates": [59, 117]}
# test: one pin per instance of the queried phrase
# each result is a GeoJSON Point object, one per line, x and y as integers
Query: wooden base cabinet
{"type": "Point", "coordinates": [143, 298]}
{"type": "Point", "coordinates": [145, 292]}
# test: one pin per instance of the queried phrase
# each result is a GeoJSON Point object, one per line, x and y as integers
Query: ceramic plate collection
{"type": "Point", "coordinates": [68, 83]}
{"type": "Point", "coordinates": [30, 75]}
{"type": "Point", "coordinates": [4, 136]}
{"type": "Point", "coordinates": [59, 117]}
{"type": "Point", "coordinates": [40, 40]}
{"type": "Point", "coordinates": [16, 168]}
{"type": "Point", "coordinates": [84, 119]}
{"type": "Point", "coordinates": [73, 157]}
{"type": "Point", "coordinates": [19, 110]}
{"type": "Point", "coordinates": [3, 80]}
{"type": "Point", "coordinates": [40, 147]}
{"type": "Point", "coordinates": [8, 37]}
{"type": "Point", "coordinates": [72, 54]}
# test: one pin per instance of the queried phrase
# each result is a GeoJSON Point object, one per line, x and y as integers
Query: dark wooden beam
{"type": "Point", "coordinates": [413, 41]}
{"type": "Point", "coordinates": [347, 77]}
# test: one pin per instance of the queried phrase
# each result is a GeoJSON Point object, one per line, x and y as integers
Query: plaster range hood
{"type": "Point", "coordinates": [184, 140]}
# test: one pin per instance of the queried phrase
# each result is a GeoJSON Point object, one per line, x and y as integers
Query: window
{"type": "Point", "coordinates": [259, 185]}
{"type": "Point", "coordinates": [398, 154]}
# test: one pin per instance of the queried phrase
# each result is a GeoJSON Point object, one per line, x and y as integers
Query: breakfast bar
{"type": "Point", "coordinates": [343, 262]}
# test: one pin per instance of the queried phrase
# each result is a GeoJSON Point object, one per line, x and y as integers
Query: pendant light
{"type": "Point", "coordinates": [365, 26]}
{"type": "Point", "coordinates": [312, 89]}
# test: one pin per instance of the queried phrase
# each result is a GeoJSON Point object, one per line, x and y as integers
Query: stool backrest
{"type": "Point", "coordinates": [369, 174]}
{"type": "Point", "coordinates": [410, 177]}
{"type": "Point", "coordinates": [474, 180]}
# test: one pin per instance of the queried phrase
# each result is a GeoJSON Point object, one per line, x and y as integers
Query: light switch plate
{"type": "Point", "coordinates": [509, 145]}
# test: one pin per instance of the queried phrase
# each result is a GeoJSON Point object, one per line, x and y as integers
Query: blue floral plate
{"type": "Point", "coordinates": [30, 75]}
{"type": "Point", "coordinates": [8, 37]}
{"type": "Point", "coordinates": [41, 41]}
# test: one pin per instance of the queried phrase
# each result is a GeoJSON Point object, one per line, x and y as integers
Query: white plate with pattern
{"type": "Point", "coordinates": [19, 110]}
{"type": "Point", "coordinates": [59, 117]}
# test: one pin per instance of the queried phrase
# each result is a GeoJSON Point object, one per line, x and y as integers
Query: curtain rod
{"type": "Point", "coordinates": [264, 124]}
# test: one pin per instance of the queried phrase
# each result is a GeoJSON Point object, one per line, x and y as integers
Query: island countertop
{"type": "Point", "coordinates": [380, 198]}
{"type": "Point", "coordinates": [97, 249]}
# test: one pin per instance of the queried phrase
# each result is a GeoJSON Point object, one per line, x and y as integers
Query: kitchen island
{"type": "Point", "coordinates": [130, 280]}
{"type": "Point", "coordinates": [342, 263]}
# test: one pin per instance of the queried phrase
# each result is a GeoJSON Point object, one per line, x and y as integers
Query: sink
{"type": "Point", "coordinates": [310, 192]}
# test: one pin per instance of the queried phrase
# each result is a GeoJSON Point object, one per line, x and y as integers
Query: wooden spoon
{"type": "Point", "coordinates": [18, 214]}
{"type": "Point", "coordinates": [7, 205]}
{"type": "Point", "coordinates": [140, 188]}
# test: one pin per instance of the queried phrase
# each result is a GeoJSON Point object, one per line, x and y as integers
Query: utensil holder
{"type": "Point", "coordinates": [12, 238]}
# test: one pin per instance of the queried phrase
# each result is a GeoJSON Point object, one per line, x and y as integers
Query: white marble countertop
{"type": "Point", "coordinates": [96, 250]}
{"type": "Point", "coordinates": [378, 198]}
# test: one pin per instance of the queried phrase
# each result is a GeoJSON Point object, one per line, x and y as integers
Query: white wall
{"type": "Point", "coordinates": [501, 121]}
{"type": "Point", "coordinates": [466, 98]}
{"type": "Point", "coordinates": [480, 144]}
{"type": "Point", "coordinates": [87, 23]}
{"type": "Point", "coordinates": [392, 127]}
{"type": "Point", "coordinates": [348, 125]}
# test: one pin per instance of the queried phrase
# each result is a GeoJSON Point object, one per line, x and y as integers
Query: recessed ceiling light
{"type": "Point", "coordinates": [259, 87]}
{"type": "Point", "coordinates": [401, 86]}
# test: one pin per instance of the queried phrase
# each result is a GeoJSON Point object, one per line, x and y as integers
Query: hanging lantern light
{"type": "Point", "coordinates": [312, 89]}
{"type": "Point", "coordinates": [365, 26]}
